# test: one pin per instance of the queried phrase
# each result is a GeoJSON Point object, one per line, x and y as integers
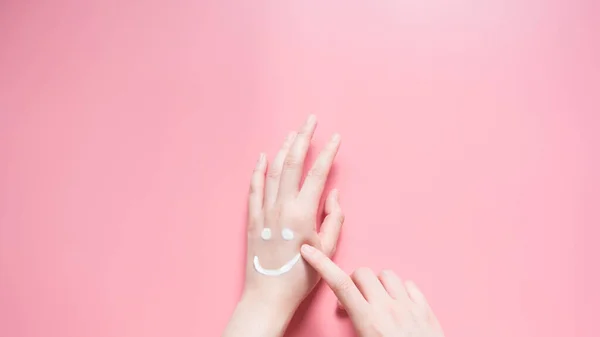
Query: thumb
{"type": "Point", "coordinates": [341, 284]}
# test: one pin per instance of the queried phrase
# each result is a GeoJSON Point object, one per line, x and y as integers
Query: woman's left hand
{"type": "Point", "coordinates": [282, 215]}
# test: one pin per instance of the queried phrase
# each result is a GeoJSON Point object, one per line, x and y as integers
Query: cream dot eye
{"type": "Point", "coordinates": [287, 234]}
{"type": "Point", "coordinates": [266, 234]}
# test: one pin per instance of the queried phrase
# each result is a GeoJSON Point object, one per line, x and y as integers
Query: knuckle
{"type": "Point", "coordinates": [251, 229]}
{"type": "Point", "coordinates": [257, 175]}
{"type": "Point", "coordinates": [271, 215]}
{"type": "Point", "coordinates": [303, 135]}
{"type": "Point", "coordinates": [343, 286]}
{"type": "Point", "coordinates": [318, 172]}
{"type": "Point", "coordinates": [295, 215]}
{"type": "Point", "coordinates": [254, 220]}
{"type": "Point", "coordinates": [291, 162]}
{"type": "Point", "coordinates": [274, 173]}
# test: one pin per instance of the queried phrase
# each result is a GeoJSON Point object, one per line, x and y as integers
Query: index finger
{"type": "Point", "coordinates": [341, 284]}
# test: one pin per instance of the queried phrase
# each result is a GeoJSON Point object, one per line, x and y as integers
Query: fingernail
{"type": "Point", "coordinates": [311, 119]}
{"type": "Point", "coordinates": [335, 138]}
{"type": "Point", "coordinates": [307, 249]}
{"type": "Point", "coordinates": [261, 159]}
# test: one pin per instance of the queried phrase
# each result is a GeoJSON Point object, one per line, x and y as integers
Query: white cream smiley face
{"type": "Point", "coordinates": [286, 234]}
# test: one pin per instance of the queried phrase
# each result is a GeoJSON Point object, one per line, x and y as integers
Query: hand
{"type": "Point", "coordinates": [381, 306]}
{"type": "Point", "coordinates": [282, 215]}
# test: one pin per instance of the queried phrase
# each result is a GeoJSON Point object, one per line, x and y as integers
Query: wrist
{"type": "Point", "coordinates": [275, 308]}
{"type": "Point", "coordinates": [272, 299]}
{"type": "Point", "coordinates": [259, 316]}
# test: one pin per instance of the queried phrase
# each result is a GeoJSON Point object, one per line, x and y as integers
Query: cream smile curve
{"type": "Point", "coordinates": [279, 271]}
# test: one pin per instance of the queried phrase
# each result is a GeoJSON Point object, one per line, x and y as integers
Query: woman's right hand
{"type": "Point", "coordinates": [380, 305]}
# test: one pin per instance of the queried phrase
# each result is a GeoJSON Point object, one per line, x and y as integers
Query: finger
{"type": "Point", "coordinates": [274, 174]}
{"type": "Point", "coordinates": [419, 299]}
{"type": "Point", "coordinates": [294, 161]}
{"type": "Point", "coordinates": [341, 284]}
{"type": "Point", "coordinates": [369, 285]}
{"type": "Point", "coordinates": [257, 188]}
{"type": "Point", "coordinates": [332, 224]}
{"type": "Point", "coordinates": [415, 294]}
{"type": "Point", "coordinates": [317, 176]}
{"type": "Point", "coordinates": [393, 285]}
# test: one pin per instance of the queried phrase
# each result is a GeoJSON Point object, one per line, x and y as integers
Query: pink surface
{"type": "Point", "coordinates": [128, 131]}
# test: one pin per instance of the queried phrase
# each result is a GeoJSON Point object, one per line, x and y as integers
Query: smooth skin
{"type": "Point", "coordinates": [378, 305]}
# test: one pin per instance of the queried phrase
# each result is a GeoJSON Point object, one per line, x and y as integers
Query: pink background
{"type": "Point", "coordinates": [129, 129]}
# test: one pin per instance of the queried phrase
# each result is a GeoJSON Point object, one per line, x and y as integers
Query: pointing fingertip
{"type": "Point", "coordinates": [307, 249]}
